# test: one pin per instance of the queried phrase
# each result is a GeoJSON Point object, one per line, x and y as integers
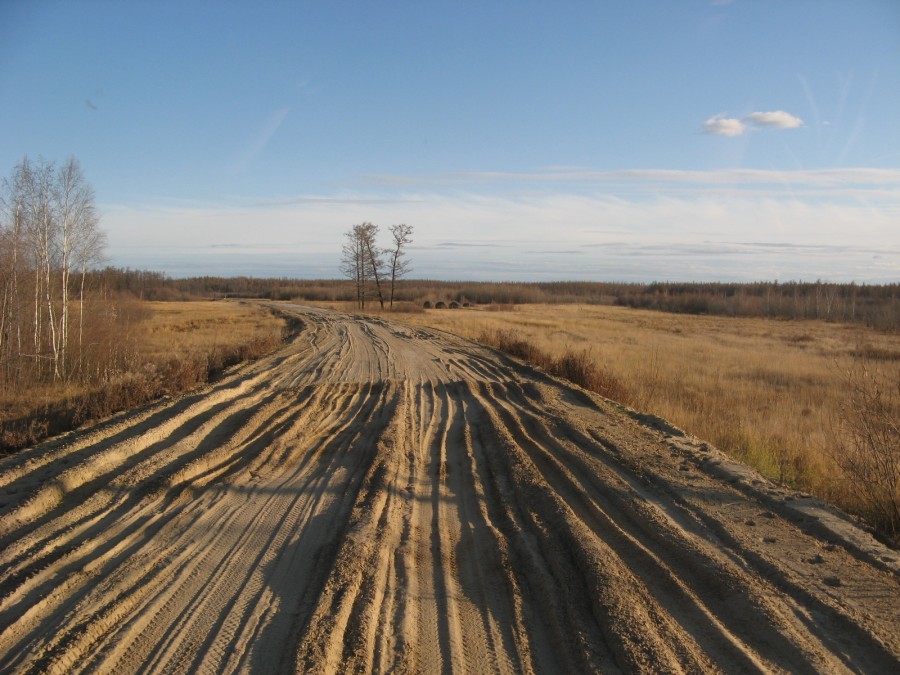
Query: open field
{"type": "Point", "coordinates": [381, 498]}
{"type": "Point", "coordinates": [181, 329]}
{"type": "Point", "coordinates": [163, 348]}
{"type": "Point", "coordinates": [769, 392]}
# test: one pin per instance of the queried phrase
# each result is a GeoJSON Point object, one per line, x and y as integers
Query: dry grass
{"type": "Point", "coordinates": [181, 329]}
{"type": "Point", "coordinates": [769, 392]}
{"type": "Point", "coordinates": [173, 347]}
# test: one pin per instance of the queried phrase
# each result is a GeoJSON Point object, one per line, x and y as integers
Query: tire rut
{"type": "Point", "coordinates": [378, 498]}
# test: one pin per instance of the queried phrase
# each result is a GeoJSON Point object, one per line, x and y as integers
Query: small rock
{"type": "Point", "coordinates": [750, 521]}
{"type": "Point", "coordinates": [815, 560]}
{"type": "Point", "coordinates": [829, 547]}
{"type": "Point", "coordinates": [769, 540]}
{"type": "Point", "coordinates": [831, 581]}
{"type": "Point", "coordinates": [766, 514]}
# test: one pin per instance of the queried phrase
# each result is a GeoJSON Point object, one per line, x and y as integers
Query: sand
{"type": "Point", "coordinates": [378, 498]}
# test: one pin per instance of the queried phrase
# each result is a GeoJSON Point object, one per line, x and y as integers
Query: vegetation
{"type": "Point", "coordinates": [810, 404]}
{"type": "Point", "coordinates": [49, 330]}
{"type": "Point", "coordinates": [877, 305]}
{"type": "Point", "coordinates": [363, 261]}
{"type": "Point", "coordinates": [866, 444]}
{"type": "Point", "coordinates": [78, 344]}
{"type": "Point", "coordinates": [170, 347]}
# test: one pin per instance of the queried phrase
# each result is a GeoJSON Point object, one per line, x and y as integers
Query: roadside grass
{"type": "Point", "coordinates": [171, 348]}
{"type": "Point", "coordinates": [785, 397]}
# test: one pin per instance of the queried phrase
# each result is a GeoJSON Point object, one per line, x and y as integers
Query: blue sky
{"type": "Point", "coordinates": [676, 139]}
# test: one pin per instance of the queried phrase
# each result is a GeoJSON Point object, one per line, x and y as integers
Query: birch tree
{"type": "Point", "coordinates": [362, 261]}
{"type": "Point", "coordinates": [353, 265]}
{"type": "Point", "coordinates": [80, 242]}
{"type": "Point", "coordinates": [398, 265]}
{"type": "Point", "coordinates": [373, 257]}
{"type": "Point", "coordinates": [48, 231]}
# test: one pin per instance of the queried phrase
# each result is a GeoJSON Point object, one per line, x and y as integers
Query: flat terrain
{"type": "Point", "coordinates": [375, 497]}
{"type": "Point", "coordinates": [770, 392]}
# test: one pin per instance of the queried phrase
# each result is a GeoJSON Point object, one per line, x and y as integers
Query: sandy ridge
{"type": "Point", "coordinates": [380, 498]}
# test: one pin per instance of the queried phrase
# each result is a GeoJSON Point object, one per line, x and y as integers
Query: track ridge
{"type": "Point", "coordinates": [386, 499]}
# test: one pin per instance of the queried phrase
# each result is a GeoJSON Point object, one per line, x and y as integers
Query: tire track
{"type": "Point", "coordinates": [378, 498]}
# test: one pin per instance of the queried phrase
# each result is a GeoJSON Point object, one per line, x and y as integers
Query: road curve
{"type": "Point", "coordinates": [380, 498]}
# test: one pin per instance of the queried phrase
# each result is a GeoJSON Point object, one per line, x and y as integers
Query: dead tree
{"type": "Point", "coordinates": [374, 259]}
{"type": "Point", "coordinates": [363, 262]}
{"type": "Point", "coordinates": [398, 265]}
{"type": "Point", "coordinates": [353, 262]}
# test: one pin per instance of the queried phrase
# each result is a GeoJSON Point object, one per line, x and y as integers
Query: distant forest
{"type": "Point", "coordinates": [876, 305]}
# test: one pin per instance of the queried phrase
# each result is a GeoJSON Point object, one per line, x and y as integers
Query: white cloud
{"type": "Point", "coordinates": [778, 119]}
{"type": "Point", "coordinates": [633, 235]}
{"type": "Point", "coordinates": [720, 125]}
{"type": "Point", "coordinates": [861, 182]}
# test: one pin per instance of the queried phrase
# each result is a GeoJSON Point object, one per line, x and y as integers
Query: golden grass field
{"type": "Point", "coordinates": [177, 329]}
{"type": "Point", "coordinates": [769, 392]}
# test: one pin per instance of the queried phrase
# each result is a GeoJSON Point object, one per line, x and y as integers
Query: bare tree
{"type": "Point", "coordinates": [398, 265]}
{"type": "Point", "coordinates": [48, 230]}
{"type": "Point", "coordinates": [10, 267]}
{"type": "Point", "coordinates": [81, 241]}
{"type": "Point", "coordinates": [36, 184]}
{"type": "Point", "coordinates": [362, 261]}
{"type": "Point", "coordinates": [353, 262]}
{"type": "Point", "coordinates": [88, 251]}
{"type": "Point", "coordinates": [374, 258]}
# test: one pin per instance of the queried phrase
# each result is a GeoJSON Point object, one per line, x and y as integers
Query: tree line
{"type": "Point", "coordinates": [49, 239]}
{"type": "Point", "coordinates": [874, 305]}
{"type": "Point", "coordinates": [373, 270]}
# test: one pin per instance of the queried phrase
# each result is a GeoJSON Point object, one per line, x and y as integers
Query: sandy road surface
{"type": "Point", "coordinates": [380, 498]}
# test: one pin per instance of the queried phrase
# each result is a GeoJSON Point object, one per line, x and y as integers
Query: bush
{"type": "Point", "coordinates": [867, 447]}
{"type": "Point", "coordinates": [577, 367]}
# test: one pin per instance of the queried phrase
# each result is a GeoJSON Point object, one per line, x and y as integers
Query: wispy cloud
{"type": "Point", "coordinates": [260, 139]}
{"type": "Point", "coordinates": [846, 182]}
{"type": "Point", "coordinates": [720, 125]}
{"type": "Point", "coordinates": [655, 235]}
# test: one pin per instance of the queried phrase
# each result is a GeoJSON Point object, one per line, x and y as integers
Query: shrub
{"type": "Point", "coordinates": [866, 447]}
{"type": "Point", "coordinates": [577, 367]}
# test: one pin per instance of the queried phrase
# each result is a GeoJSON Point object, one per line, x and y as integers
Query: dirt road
{"type": "Point", "coordinates": [381, 498]}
